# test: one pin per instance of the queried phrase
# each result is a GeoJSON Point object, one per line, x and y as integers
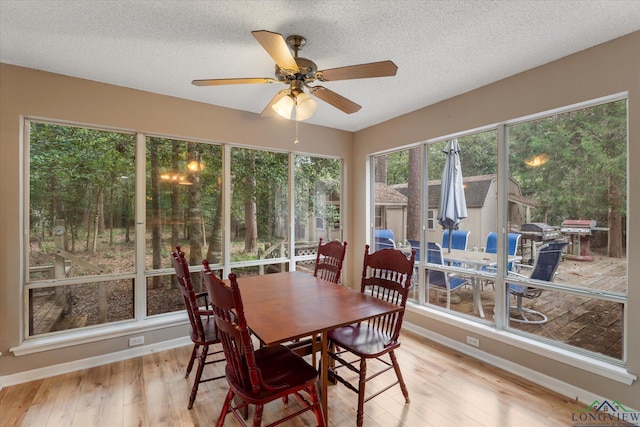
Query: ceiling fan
{"type": "Point", "coordinates": [297, 72]}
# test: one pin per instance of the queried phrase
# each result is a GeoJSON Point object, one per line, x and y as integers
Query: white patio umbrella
{"type": "Point", "coordinates": [453, 206]}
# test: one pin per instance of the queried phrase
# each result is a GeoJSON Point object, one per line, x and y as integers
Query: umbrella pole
{"type": "Point", "coordinates": [450, 236]}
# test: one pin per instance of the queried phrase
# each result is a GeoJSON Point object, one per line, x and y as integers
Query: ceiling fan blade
{"type": "Point", "coordinates": [268, 111]}
{"type": "Point", "coordinates": [332, 98]}
{"type": "Point", "coordinates": [240, 81]}
{"type": "Point", "coordinates": [277, 47]}
{"type": "Point", "coordinates": [362, 71]}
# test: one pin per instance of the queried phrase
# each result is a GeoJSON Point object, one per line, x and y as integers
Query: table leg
{"type": "Point", "coordinates": [477, 302]}
{"type": "Point", "coordinates": [324, 375]}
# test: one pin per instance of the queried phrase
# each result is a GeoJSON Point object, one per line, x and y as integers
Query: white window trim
{"type": "Point", "coordinates": [100, 333]}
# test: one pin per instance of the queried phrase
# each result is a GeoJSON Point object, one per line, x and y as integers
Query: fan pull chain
{"type": "Point", "coordinates": [296, 142]}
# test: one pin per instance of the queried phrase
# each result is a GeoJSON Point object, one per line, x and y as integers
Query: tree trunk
{"type": "Point", "coordinates": [413, 195]}
{"type": "Point", "coordinates": [381, 169]}
{"type": "Point", "coordinates": [155, 218]}
{"type": "Point", "coordinates": [175, 198]}
{"type": "Point", "coordinates": [250, 219]}
{"type": "Point", "coordinates": [100, 227]}
{"type": "Point", "coordinates": [614, 244]}
{"type": "Point", "coordinates": [214, 252]}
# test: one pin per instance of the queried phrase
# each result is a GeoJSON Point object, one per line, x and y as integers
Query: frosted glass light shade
{"type": "Point", "coordinates": [305, 107]}
{"type": "Point", "coordinates": [300, 108]}
{"type": "Point", "coordinates": [284, 106]}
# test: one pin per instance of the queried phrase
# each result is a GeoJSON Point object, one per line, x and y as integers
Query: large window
{"type": "Point", "coordinates": [317, 206]}
{"type": "Point", "coordinates": [574, 165]}
{"type": "Point", "coordinates": [183, 208]}
{"type": "Point", "coordinates": [81, 232]}
{"type": "Point", "coordinates": [563, 185]}
{"type": "Point", "coordinates": [259, 208]}
{"type": "Point", "coordinates": [102, 221]}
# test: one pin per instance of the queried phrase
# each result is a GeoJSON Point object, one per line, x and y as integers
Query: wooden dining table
{"type": "Point", "coordinates": [281, 307]}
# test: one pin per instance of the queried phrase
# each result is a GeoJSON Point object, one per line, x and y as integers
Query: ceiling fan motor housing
{"type": "Point", "coordinates": [307, 70]}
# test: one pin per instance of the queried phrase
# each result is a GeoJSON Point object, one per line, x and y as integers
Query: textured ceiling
{"type": "Point", "coordinates": [441, 48]}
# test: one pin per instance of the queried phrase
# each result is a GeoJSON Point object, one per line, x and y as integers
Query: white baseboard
{"type": "Point", "coordinates": [77, 365]}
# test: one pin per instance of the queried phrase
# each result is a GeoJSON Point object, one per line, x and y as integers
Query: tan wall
{"type": "Point", "coordinates": [607, 69]}
{"type": "Point", "coordinates": [27, 92]}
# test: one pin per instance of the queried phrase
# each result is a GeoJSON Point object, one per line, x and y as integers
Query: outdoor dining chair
{"type": "Point", "coordinates": [384, 239]}
{"type": "Point", "coordinates": [203, 333]}
{"type": "Point", "coordinates": [459, 239]}
{"type": "Point", "coordinates": [492, 247]}
{"type": "Point", "coordinates": [386, 275]}
{"type": "Point", "coordinates": [257, 377]}
{"type": "Point", "coordinates": [544, 269]}
{"type": "Point", "coordinates": [440, 280]}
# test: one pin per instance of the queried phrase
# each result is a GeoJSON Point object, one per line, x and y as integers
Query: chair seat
{"type": "Point", "coordinates": [282, 367]}
{"type": "Point", "coordinates": [455, 282]}
{"type": "Point", "coordinates": [211, 335]}
{"type": "Point", "coordinates": [517, 289]}
{"type": "Point", "coordinates": [362, 340]}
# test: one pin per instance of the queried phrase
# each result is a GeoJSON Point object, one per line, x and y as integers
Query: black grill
{"type": "Point", "coordinates": [539, 232]}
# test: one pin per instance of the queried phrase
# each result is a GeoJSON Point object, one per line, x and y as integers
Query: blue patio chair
{"type": "Point", "coordinates": [415, 245]}
{"type": "Point", "coordinates": [440, 279]}
{"type": "Point", "coordinates": [384, 239]}
{"type": "Point", "coordinates": [459, 239]}
{"type": "Point", "coordinates": [492, 247]}
{"type": "Point", "coordinates": [547, 262]}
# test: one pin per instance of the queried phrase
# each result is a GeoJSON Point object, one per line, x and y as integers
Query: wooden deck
{"type": "Point", "coordinates": [587, 323]}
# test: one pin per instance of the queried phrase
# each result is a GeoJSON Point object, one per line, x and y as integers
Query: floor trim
{"type": "Point", "coordinates": [91, 362]}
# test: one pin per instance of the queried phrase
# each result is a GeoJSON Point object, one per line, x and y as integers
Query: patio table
{"type": "Point", "coordinates": [476, 260]}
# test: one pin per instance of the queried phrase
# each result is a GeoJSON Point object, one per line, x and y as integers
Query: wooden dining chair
{"type": "Point", "coordinates": [203, 330]}
{"type": "Point", "coordinates": [386, 275]}
{"type": "Point", "coordinates": [329, 260]}
{"type": "Point", "coordinates": [257, 377]}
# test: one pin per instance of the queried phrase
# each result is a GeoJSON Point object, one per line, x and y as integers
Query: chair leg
{"type": "Point", "coordinates": [257, 416]}
{"type": "Point", "coordinates": [539, 317]}
{"type": "Point", "coordinates": [194, 352]}
{"type": "Point", "coordinates": [202, 358]}
{"type": "Point", "coordinates": [225, 408]}
{"type": "Point", "coordinates": [363, 381]}
{"type": "Point", "coordinates": [317, 407]}
{"type": "Point", "coordinates": [396, 367]}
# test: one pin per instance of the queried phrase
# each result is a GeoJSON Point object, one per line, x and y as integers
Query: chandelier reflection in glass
{"type": "Point", "coordinates": [194, 165]}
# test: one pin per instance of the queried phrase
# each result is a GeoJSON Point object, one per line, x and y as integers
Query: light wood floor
{"type": "Point", "coordinates": [446, 389]}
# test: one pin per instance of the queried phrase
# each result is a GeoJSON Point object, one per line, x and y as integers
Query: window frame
{"type": "Point", "coordinates": [501, 325]}
{"type": "Point", "coordinates": [140, 322]}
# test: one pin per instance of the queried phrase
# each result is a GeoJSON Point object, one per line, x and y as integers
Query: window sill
{"type": "Point", "coordinates": [589, 364]}
{"type": "Point", "coordinates": [72, 338]}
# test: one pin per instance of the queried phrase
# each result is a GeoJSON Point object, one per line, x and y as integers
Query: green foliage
{"type": "Point", "coordinates": [317, 180]}
{"type": "Point", "coordinates": [586, 171]}
{"type": "Point", "coordinates": [70, 168]}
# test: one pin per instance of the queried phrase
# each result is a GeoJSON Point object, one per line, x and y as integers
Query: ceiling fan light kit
{"type": "Point", "coordinates": [295, 105]}
{"type": "Point", "coordinates": [298, 72]}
